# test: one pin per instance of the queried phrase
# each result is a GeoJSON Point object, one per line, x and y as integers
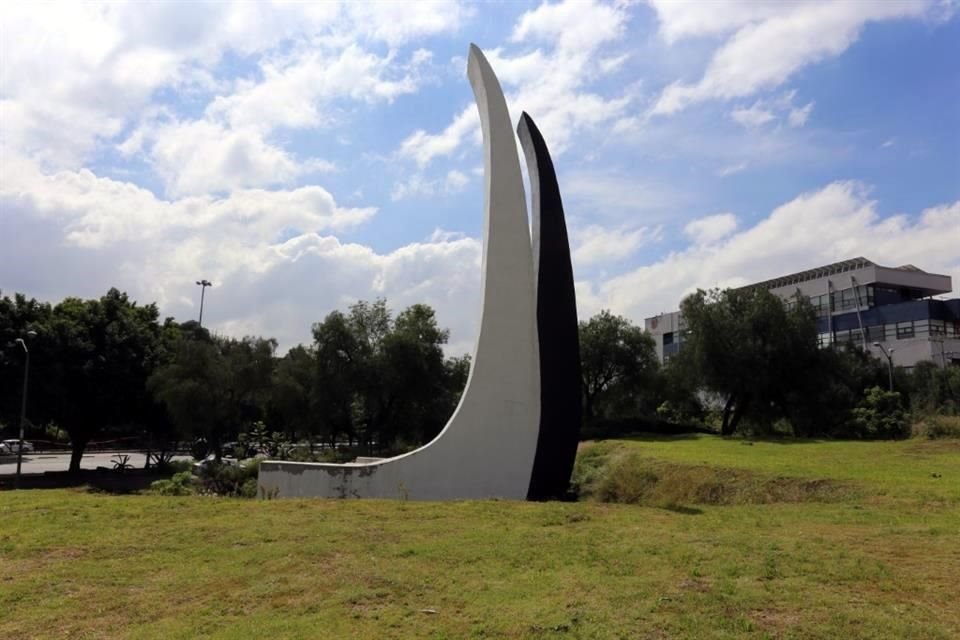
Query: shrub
{"type": "Point", "coordinates": [181, 484]}
{"type": "Point", "coordinates": [233, 480]}
{"type": "Point", "coordinates": [880, 415]}
{"type": "Point", "coordinates": [936, 427]}
{"type": "Point", "coordinates": [629, 480]}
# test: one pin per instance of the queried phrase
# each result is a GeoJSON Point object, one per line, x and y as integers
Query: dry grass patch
{"type": "Point", "coordinates": [612, 472]}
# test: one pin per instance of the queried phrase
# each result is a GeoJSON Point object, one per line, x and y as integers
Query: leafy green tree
{"type": "Point", "coordinates": [339, 366]}
{"type": "Point", "coordinates": [933, 388]}
{"type": "Point", "coordinates": [880, 415]}
{"type": "Point", "coordinates": [748, 347]}
{"type": "Point", "coordinates": [382, 379]}
{"type": "Point", "coordinates": [215, 386]}
{"type": "Point", "coordinates": [293, 402]}
{"type": "Point", "coordinates": [18, 315]}
{"type": "Point", "coordinates": [92, 364]}
{"type": "Point", "coordinates": [619, 367]}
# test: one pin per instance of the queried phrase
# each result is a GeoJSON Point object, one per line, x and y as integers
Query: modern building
{"type": "Point", "coordinates": [891, 309]}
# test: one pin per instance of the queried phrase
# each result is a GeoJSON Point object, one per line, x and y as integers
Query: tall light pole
{"type": "Point", "coordinates": [203, 289]}
{"type": "Point", "coordinates": [23, 402]}
{"type": "Point", "coordinates": [889, 355]}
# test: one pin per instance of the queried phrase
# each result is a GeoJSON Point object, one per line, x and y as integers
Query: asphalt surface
{"type": "Point", "coordinates": [43, 462]}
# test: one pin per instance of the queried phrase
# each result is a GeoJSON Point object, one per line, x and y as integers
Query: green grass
{"type": "Point", "coordinates": [878, 560]}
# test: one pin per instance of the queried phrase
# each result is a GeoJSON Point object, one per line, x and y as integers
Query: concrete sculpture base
{"type": "Point", "coordinates": [496, 441]}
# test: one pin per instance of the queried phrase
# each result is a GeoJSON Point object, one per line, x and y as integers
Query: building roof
{"type": "Point", "coordinates": [819, 272]}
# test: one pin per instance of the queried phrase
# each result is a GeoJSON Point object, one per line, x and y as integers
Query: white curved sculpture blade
{"type": "Point", "coordinates": [488, 446]}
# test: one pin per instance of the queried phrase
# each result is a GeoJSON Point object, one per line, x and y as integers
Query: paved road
{"type": "Point", "coordinates": [42, 462]}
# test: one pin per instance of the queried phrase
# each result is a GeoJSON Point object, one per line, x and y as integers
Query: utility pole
{"type": "Point", "coordinates": [203, 289]}
{"type": "Point", "coordinates": [889, 355]}
{"type": "Point", "coordinates": [23, 402]}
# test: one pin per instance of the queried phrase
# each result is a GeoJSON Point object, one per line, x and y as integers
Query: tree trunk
{"type": "Point", "coordinates": [77, 447]}
{"type": "Point", "coordinates": [738, 412]}
{"type": "Point", "coordinates": [726, 429]}
{"type": "Point", "coordinates": [588, 408]}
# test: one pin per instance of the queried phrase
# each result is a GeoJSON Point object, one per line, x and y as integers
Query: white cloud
{"type": "Point", "coordinates": [731, 169]}
{"type": "Point", "coordinates": [422, 147]}
{"type": "Point", "coordinates": [799, 115]}
{"type": "Point", "coordinates": [836, 222]}
{"type": "Point", "coordinates": [710, 229]}
{"type": "Point", "coordinates": [596, 244]}
{"type": "Point", "coordinates": [396, 23]}
{"type": "Point", "coordinates": [770, 41]}
{"type": "Point", "coordinates": [548, 81]}
{"type": "Point", "coordinates": [607, 195]}
{"type": "Point", "coordinates": [75, 75]}
{"type": "Point", "coordinates": [583, 24]}
{"type": "Point", "coordinates": [767, 110]}
{"type": "Point", "coordinates": [418, 186]}
{"type": "Point", "coordinates": [200, 157]}
{"type": "Point", "coordinates": [753, 116]}
{"type": "Point", "coordinates": [295, 89]}
{"type": "Point", "coordinates": [275, 265]}
{"type": "Point", "coordinates": [455, 181]}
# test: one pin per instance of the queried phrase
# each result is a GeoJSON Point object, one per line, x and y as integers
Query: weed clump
{"type": "Point", "coordinates": [181, 484]}
{"type": "Point", "coordinates": [611, 474]}
{"type": "Point", "coordinates": [938, 427]}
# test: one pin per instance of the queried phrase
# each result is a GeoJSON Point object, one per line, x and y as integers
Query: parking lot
{"type": "Point", "coordinates": [37, 463]}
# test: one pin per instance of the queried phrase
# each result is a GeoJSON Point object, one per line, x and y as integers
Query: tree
{"type": "Point", "coordinates": [745, 345]}
{"type": "Point", "coordinates": [619, 366]}
{"type": "Point", "coordinates": [17, 316]}
{"type": "Point", "coordinates": [380, 379]}
{"type": "Point", "coordinates": [292, 400]}
{"type": "Point", "coordinates": [880, 415]}
{"type": "Point", "coordinates": [92, 364]}
{"type": "Point", "coordinates": [215, 385]}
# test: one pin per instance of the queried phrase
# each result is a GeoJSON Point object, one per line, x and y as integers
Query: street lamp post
{"type": "Point", "coordinates": [889, 355]}
{"type": "Point", "coordinates": [203, 284]}
{"type": "Point", "coordinates": [23, 402]}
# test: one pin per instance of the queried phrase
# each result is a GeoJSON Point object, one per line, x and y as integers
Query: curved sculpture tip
{"type": "Point", "coordinates": [559, 353]}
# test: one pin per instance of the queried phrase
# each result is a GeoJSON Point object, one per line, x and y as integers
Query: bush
{"type": "Point", "coordinates": [936, 427]}
{"type": "Point", "coordinates": [629, 481]}
{"type": "Point", "coordinates": [232, 480]}
{"type": "Point", "coordinates": [181, 484]}
{"type": "Point", "coordinates": [880, 415]}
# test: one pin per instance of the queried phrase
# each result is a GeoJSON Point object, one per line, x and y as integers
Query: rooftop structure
{"type": "Point", "coordinates": [860, 301]}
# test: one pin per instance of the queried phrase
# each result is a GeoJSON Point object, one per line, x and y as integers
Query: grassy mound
{"type": "Point", "coordinates": [778, 539]}
{"type": "Point", "coordinates": [613, 472]}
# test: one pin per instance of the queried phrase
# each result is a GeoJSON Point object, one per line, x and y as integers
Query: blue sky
{"type": "Point", "coordinates": [303, 156]}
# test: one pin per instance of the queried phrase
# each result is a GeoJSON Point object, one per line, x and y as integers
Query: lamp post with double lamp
{"type": "Point", "coordinates": [889, 355]}
{"type": "Point", "coordinates": [23, 402]}
{"type": "Point", "coordinates": [203, 284]}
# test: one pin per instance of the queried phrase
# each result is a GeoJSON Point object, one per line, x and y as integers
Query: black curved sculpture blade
{"type": "Point", "coordinates": [560, 399]}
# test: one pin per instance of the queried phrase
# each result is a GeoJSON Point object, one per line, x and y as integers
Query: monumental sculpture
{"type": "Point", "coordinates": [514, 433]}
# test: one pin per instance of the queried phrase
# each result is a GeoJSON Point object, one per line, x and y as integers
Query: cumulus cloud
{"type": "Point", "coordinates": [766, 42]}
{"type": "Point", "coordinates": [418, 186]}
{"type": "Point", "coordinates": [273, 256]}
{"type": "Point", "coordinates": [799, 115]}
{"type": "Point", "coordinates": [752, 116]}
{"type": "Point", "coordinates": [549, 80]}
{"type": "Point", "coordinates": [836, 222]}
{"type": "Point", "coordinates": [710, 229]}
{"type": "Point", "coordinates": [77, 75]}
{"type": "Point", "coordinates": [596, 244]}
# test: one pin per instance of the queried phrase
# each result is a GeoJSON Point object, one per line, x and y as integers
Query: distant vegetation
{"type": "Point", "coordinates": [374, 382]}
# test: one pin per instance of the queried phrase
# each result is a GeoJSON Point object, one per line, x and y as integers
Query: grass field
{"type": "Point", "coordinates": [877, 558]}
